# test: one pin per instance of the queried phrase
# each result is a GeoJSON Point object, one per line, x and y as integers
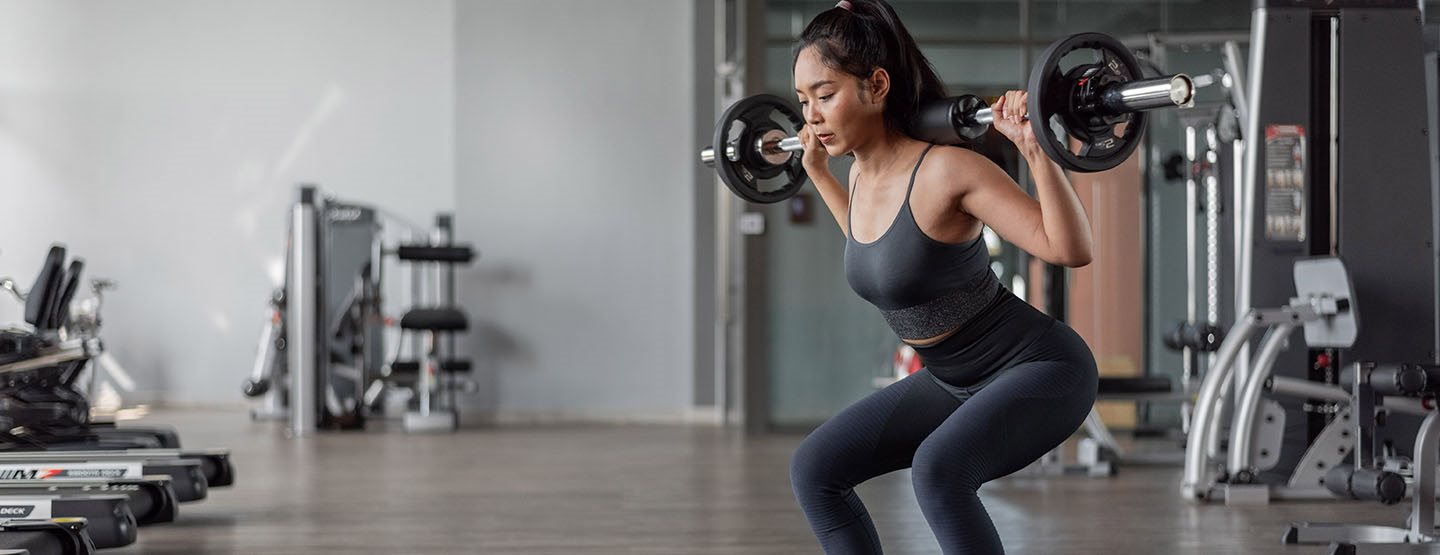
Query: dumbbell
{"type": "Point", "coordinates": [1087, 102]}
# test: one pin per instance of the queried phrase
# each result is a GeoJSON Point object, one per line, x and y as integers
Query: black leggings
{"type": "Point", "coordinates": [952, 438]}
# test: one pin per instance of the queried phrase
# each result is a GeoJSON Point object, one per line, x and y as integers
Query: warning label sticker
{"type": "Point", "coordinates": [1285, 165]}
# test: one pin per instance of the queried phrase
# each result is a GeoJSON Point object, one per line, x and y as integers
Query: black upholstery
{"type": "Point", "coordinates": [406, 367]}
{"type": "Point", "coordinates": [452, 254]}
{"type": "Point", "coordinates": [60, 311]}
{"type": "Point", "coordinates": [1134, 385]}
{"type": "Point", "coordinates": [16, 347]}
{"type": "Point", "coordinates": [434, 319]}
{"type": "Point", "coordinates": [39, 302]}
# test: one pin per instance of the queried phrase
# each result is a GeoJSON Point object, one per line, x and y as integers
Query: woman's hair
{"type": "Point", "coordinates": [858, 36]}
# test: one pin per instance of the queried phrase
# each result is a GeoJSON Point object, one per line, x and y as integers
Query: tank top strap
{"type": "Point", "coordinates": [850, 208]}
{"type": "Point", "coordinates": [915, 172]}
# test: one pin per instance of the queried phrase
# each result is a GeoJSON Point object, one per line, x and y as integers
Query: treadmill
{"type": "Point", "coordinates": [60, 536]}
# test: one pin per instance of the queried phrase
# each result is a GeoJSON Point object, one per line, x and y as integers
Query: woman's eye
{"type": "Point", "coordinates": [826, 97]}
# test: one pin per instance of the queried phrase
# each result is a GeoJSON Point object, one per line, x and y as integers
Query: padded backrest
{"type": "Point", "coordinates": [60, 312]}
{"type": "Point", "coordinates": [41, 298]}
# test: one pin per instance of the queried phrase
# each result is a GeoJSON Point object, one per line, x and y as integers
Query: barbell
{"type": "Point", "coordinates": [1086, 103]}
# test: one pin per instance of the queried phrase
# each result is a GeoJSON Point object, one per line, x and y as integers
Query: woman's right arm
{"type": "Point", "coordinates": [817, 167]}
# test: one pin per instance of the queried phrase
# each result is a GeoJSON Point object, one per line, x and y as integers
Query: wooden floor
{"type": "Point", "coordinates": [645, 490]}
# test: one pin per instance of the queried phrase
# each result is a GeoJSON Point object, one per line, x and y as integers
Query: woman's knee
{"type": "Point", "coordinates": [810, 464]}
{"type": "Point", "coordinates": [943, 466]}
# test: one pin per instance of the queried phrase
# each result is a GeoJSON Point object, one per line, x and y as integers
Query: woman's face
{"type": "Point", "coordinates": [838, 107]}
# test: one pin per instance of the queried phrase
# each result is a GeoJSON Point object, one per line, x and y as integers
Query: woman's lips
{"type": "Point", "coordinates": [826, 138]}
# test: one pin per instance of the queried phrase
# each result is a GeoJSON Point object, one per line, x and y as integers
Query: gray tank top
{"type": "Point", "coordinates": [922, 286]}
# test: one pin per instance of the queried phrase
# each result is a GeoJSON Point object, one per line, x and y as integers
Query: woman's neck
{"type": "Point", "coordinates": [880, 155]}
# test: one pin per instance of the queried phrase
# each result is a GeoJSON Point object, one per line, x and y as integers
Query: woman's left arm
{"type": "Point", "coordinates": [1064, 217]}
{"type": "Point", "coordinates": [1064, 220]}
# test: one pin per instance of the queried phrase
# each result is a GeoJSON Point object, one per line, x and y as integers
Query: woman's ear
{"type": "Point", "coordinates": [878, 85]}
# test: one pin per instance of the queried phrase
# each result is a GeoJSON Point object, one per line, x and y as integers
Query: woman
{"type": "Point", "coordinates": [1003, 383]}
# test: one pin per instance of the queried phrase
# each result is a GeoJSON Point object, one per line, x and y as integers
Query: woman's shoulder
{"type": "Point", "coordinates": [952, 163]}
{"type": "Point", "coordinates": [954, 157]}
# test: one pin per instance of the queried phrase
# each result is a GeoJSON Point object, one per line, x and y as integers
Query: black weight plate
{"type": "Point", "coordinates": [1051, 94]}
{"type": "Point", "coordinates": [748, 174]}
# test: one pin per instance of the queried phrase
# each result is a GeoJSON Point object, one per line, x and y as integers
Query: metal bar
{"type": "Point", "coordinates": [301, 317]}
{"type": "Point", "coordinates": [1149, 94]}
{"type": "Point", "coordinates": [1194, 481]}
{"type": "Point", "coordinates": [1192, 205]}
{"type": "Point", "coordinates": [1135, 96]}
{"type": "Point", "coordinates": [1363, 403]}
{"type": "Point", "coordinates": [416, 282]}
{"type": "Point", "coordinates": [1190, 359]}
{"type": "Point", "coordinates": [1247, 405]}
{"type": "Point", "coordinates": [1236, 68]}
{"type": "Point", "coordinates": [1246, 187]}
{"type": "Point", "coordinates": [1306, 389]}
{"type": "Point", "coordinates": [1212, 229]}
{"type": "Point", "coordinates": [1427, 451]}
{"type": "Point", "coordinates": [430, 363]}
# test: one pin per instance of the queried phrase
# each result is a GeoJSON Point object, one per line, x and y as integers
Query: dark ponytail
{"type": "Point", "coordinates": [861, 35]}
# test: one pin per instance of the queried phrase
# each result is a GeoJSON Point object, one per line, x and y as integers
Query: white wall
{"type": "Point", "coordinates": [576, 179]}
{"type": "Point", "coordinates": [162, 139]}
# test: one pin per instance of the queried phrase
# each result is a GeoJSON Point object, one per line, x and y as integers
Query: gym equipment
{"type": "Point", "coordinates": [1101, 104]}
{"type": "Point", "coordinates": [1200, 336]}
{"type": "Point", "coordinates": [94, 366]}
{"type": "Point", "coordinates": [320, 347]}
{"type": "Point", "coordinates": [1089, 101]}
{"type": "Point", "coordinates": [47, 417]}
{"type": "Point", "coordinates": [332, 322]}
{"type": "Point", "coordinates": [35, 382]}
{"type": "Point", "coordinates": [151, 499]}
{"type": "Point", "coordinates": [57, 536]}
{"type": "Point", "coordinates": [322, 361]}
{"type": "Point", "coordinates": [1375, 479]}
{"type": "Point", "coordinates": [1325, 307]}
{"type": "Point", "coordinates": [266, 375]}
{"type": "Point", "coordinates": [443, 319]}
{"type": "Point", "coordinates": [759, 137]}
{"type": "Point", "coordinates": [1314, 161]}
{"type": "Point", "coordinates": [108, 517]}
{"type": "Point", "coordinates": [186, 477]}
